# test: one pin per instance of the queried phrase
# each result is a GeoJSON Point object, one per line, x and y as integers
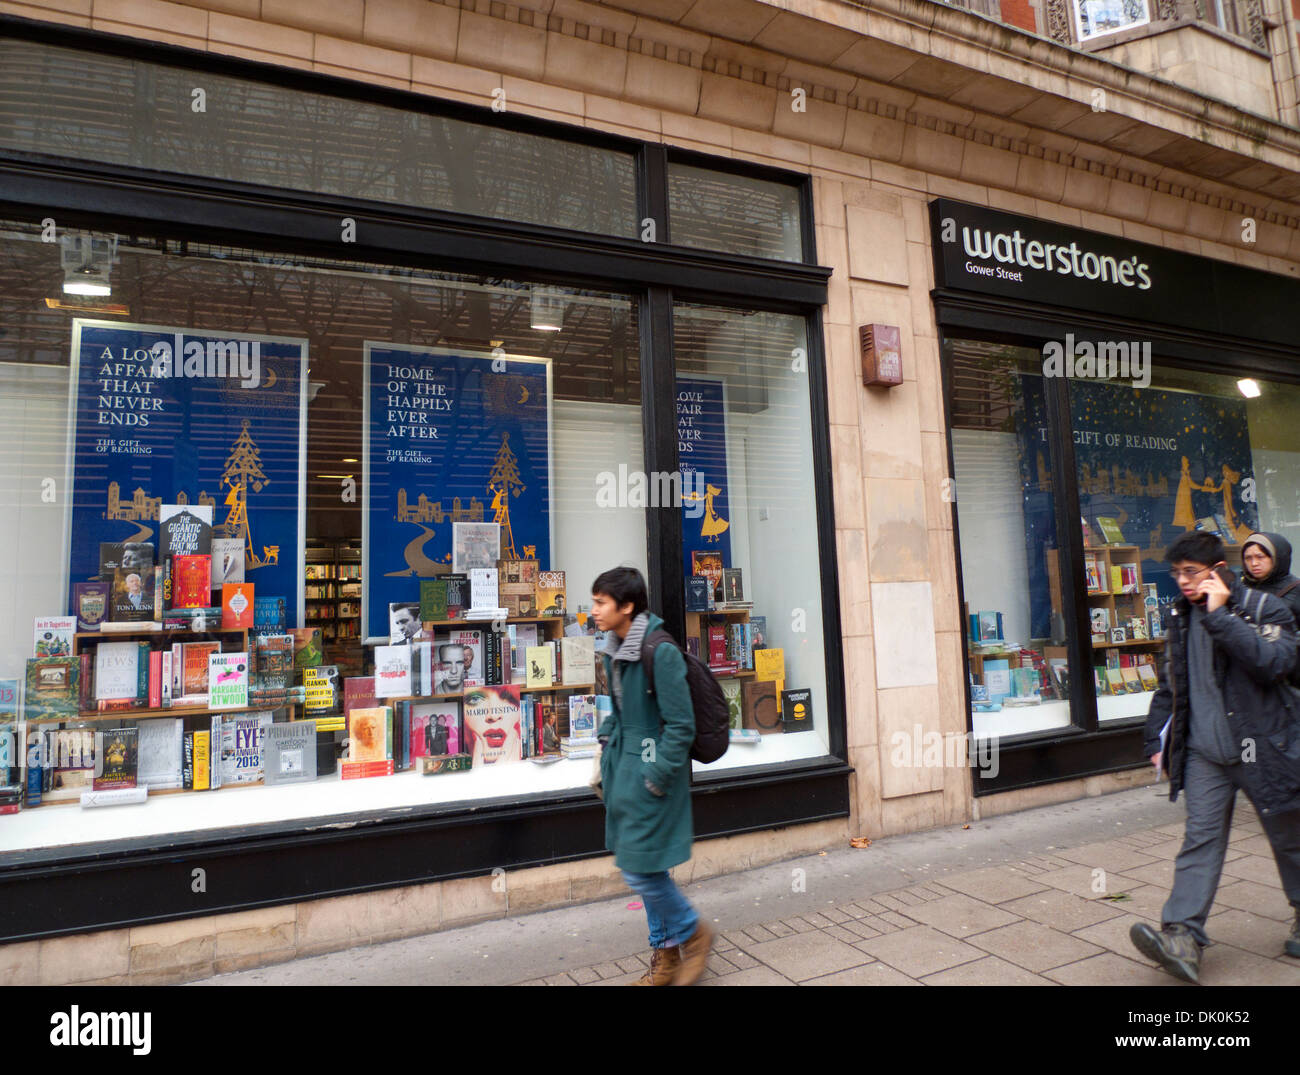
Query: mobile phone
{"type": "Point", "coordinates": [1225, 574]}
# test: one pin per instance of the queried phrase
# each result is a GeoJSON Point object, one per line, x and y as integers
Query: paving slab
{"type": "Point", "coordinates": [1035, 947]}
{"type": "Point", "coordinates": [920, 950]}
{"type": "Point", "coordinates": [808, 955]}
{"type": "Point", "coordinates": [961, 916]}
{"type": "Point", "coordinates": [987, 971]}
{"type": "Point", "coordinates": [1060, 910]}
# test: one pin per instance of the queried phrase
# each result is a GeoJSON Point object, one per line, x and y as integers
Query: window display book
{"type": "Point", "coordinates": [91, 604]}
{"type": "Point", "coordinates": [52, 636]}
{"type": "Point", "coordinates": [191, 581]}
{"type": "Point", "coordinates": [133, 595]}
{"type": "Point", "coordinates": [370, 744]}
{"type": "Point", "coordinates": [578, 660]}
{"type": "Point", "coordinates": [116, 758]}
{"type": "Point", "coordinates": [492, 725]}
{"type": "Point", "coordinates": [289, 752]}
{"type": "Point", "coordinates": [459, 662]}
{"type": "Point", "coordinates": [52, 688]}
{"type": "Point", "coordinates": [434, 729]}
{"type": "Point", "coordinates": [392, 671]}
{"type": "Point", "coordinates": [184, 530]}
{"type": "Point", "coordinates": [227, 561]}
{"type": "Point", "coordinates": [550, 593]}
{"type": "Point", "coordinates": [227, 680]}
{"type": "Point", "coordinates": [120, 674]}
{"type": "Point", "coordinates": [241, 747]}
{"type": "Point", "coordinates": [475, 545]}
{"type": "Point", "coordinates": [160, 744]}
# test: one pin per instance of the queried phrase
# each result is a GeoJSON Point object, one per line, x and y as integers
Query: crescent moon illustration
{"type": "Point", "coordinates": [270, 377]}
{"type": "Point", "coordinates": [524, 397]}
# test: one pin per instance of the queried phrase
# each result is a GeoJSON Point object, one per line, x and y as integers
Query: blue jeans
{"type": "Point", "coordinates": [672, 919]}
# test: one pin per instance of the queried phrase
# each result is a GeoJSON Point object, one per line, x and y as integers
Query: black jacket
{"type": "Point", "coordinates": [1263, 710]}
{"type": "Point", "coordinates": [1279, 582]}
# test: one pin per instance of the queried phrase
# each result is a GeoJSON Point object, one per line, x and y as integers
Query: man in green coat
{"type": "Point", "coordinates": [645, 770]}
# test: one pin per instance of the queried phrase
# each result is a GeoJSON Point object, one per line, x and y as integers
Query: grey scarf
{"type": "Point", "coordinates": [627, 648]}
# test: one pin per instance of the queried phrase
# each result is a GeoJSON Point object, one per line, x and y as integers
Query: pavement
{"type": "Point", "coordinates": [1040, 897]}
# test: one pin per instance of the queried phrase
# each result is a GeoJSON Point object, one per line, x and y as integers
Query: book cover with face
{"type": "Point", "coordinates": [492, 729]}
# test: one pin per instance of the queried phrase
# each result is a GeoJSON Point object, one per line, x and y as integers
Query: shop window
{"type": "Point", "coordinates": [90, 106]}
{"type": "Point", "coordinates": [338, 523]}
{"type": "Point", "coordinates": [1186, 451]}
{"type": "Point", "coordinates": [734, 214]}
{"type": "Point", "coordinates": [750, 547]}
{"type": "Point", "coordinates": [1006, 501]}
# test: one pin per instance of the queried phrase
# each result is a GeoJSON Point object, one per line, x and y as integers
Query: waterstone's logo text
{"type": "Point", "coordinates": [1015, 249]}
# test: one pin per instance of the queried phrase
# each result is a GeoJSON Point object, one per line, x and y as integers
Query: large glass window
{"type": "Point", "coordinates": [1186, 451]}
{"type": "Point", "coordinates": [1156, 454]}
{"type": "Point", "coordinates": [749, 526]}
{"type": "Point", "coordinates": [734, 213]}
{"type": "Point", "coordinates": [339, 435]}
{"type": "Point", "coordinates": [93, 107]}
{"type": "Point", "coordinates": [1010, 561]}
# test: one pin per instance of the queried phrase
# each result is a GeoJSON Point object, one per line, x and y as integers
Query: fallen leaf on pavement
{"type": "Point", "coordinates": [965, 826]}
{"type": "Point", "coordinates": [860, 841]}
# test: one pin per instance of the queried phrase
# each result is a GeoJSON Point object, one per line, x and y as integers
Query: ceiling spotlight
{"type": "Point", "coordinates": [1249, 387]}
{"type": "Point", "coordinates": [87, 263]}
{"type": "Point", "coordinates": [548, 309]}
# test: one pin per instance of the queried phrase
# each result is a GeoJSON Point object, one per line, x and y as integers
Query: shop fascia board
{"type": "Point", "coordinates": [975, 46]}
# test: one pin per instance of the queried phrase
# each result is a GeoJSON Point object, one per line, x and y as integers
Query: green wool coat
{"type": "Point", "coordinates": [649, 834]}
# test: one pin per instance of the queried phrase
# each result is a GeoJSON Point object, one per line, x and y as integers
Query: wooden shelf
{"type": "Point", "coordinates": [150, 632]}
{"type": "Point", "coordinates": [1129, 642]}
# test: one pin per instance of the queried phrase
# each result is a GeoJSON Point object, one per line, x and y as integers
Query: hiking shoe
{"type": "Point", "coordinates": [695, 954]}
{"type": "Point", "coordinates": [663, 966]}
{"type": "Point", "coordinates": [1173, 947]}
{"type": "Point", "coordinates": [1293, 942]}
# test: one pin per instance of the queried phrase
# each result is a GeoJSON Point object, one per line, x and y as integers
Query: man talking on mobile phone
{"type": "Point", "coordinates": [1223, 718]}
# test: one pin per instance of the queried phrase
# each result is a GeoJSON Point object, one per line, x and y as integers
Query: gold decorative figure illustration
{"type": "Point", "coordinates": [1230, 478]}
{"type": "Point", "coordinates": [713, 524]}
{"type": "Point", "coordinates": [502, 482]}
{"type": "Point", "coordinates": [1184, 516]}
{"type": "Point", "coordinates": [244, 468]}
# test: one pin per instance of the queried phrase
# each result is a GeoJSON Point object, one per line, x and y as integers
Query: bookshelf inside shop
{"type": "Point", "coordinates": [332, 602]}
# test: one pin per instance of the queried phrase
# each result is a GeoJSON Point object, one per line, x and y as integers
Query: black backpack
{"type": "Point", "coordinates": [712, 720]}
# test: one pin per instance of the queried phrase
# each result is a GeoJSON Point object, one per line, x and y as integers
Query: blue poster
{"type": "Point", "coordinates": [702, 460]}
{"type": "Point", "coordinates": [450, 437]}
{"type": "Point", "coordinates": [1156, 462]}
{"type": "Point", "coordinates": [178, 416]}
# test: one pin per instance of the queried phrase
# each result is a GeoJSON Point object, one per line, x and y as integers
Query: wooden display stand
{"type": "Point", "coordinates": [1120, 606]}
{"type": "Point", "coordinates": [697, 626]}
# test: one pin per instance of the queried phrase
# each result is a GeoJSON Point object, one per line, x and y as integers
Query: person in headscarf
{"type": "Point", "coordinates": [1266, 562]}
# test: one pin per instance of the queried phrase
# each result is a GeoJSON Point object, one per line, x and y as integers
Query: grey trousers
{"type": "Point", "coordinates": [1211, 790]}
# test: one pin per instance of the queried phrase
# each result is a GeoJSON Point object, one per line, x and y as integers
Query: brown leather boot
{"type": "Point", "coordinates": [663, 966]}
{"type": "Point", "coordinates": [695, 954]}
